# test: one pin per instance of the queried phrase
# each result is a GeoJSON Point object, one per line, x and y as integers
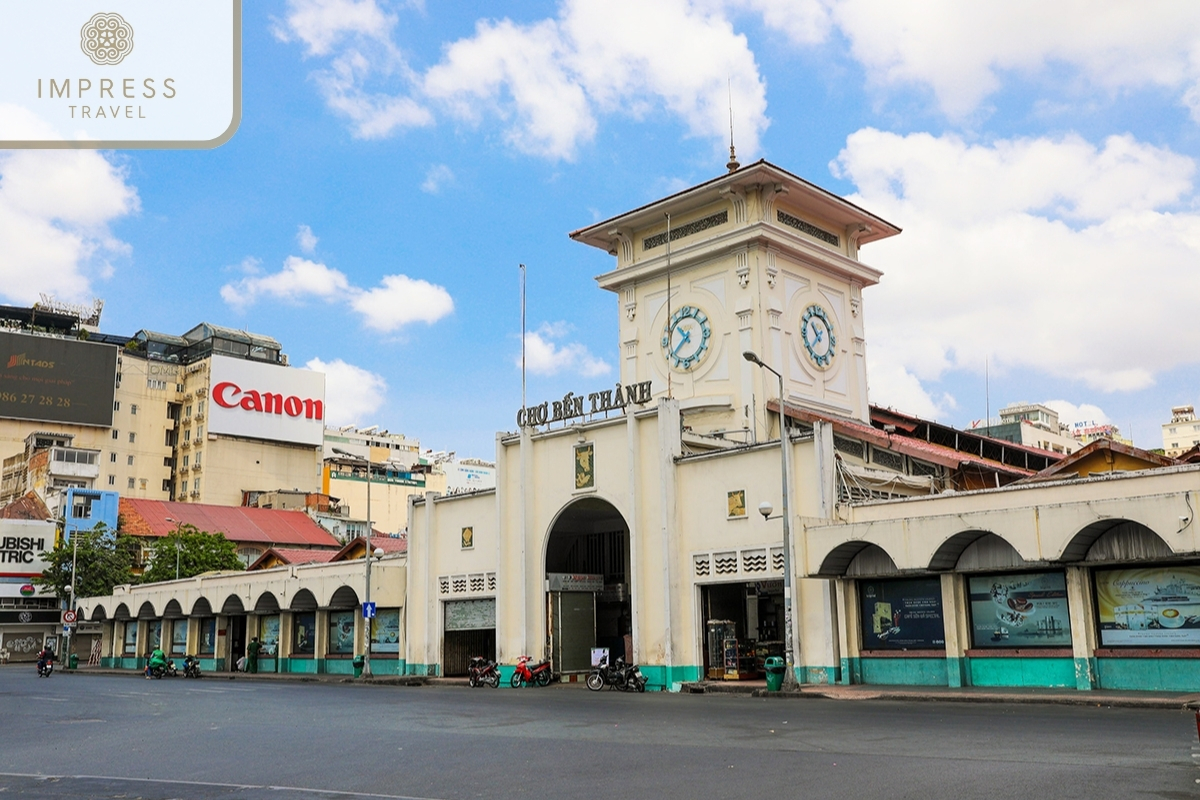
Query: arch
{"type": "Point", "coordinates": [202, 608]}
{"type": "Point", "coordinates": [303, 600]}
{"type": "Point", "coordinates": [232, 606]}
{"type": "Point", "coordinates": [1129, 540]}
{"type": "Point", "coordinates": [988, 553]}
{"type": "Point", "coordinates": [122, 612]}
{"type": "Point", "coordinates": [173, 610]}
{"type": "Point", "coordinates": [948, 552]}
{"type": "Point", "coordinates": [147, 611]}
{"type": "Point", "coordinates": [98, 614]}
{"type": "Point", "coordinates": [838, 559]}
{"type": "Point", "coordinates": [343, 598]}
{"type": "Point", "coordinates": [871, 562]}
{"type": "Point", "coordinates": [267, 603]}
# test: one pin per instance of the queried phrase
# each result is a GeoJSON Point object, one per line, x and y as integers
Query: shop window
{"type": "Point", "coordinates": [1149, 606]}
{"type": "Point", "coordinates": [130, 648]}
{"type": "Point", "coordinates": [341, 632]}
{"type": "Point", "coordinates": [207, 644]}
{"type": "Point", "coordinates": [155, 635]}
{"type": "Point", "coordinates": [304, 634]}
{"type": "Point", "coordinates": [902, 614]}
{"type": "Point", "coordinates": [385, 631]}
{"type": "Point", "coordinates": [268, 635]}
{"type": "Point", "coordinates": [179, 634]}
{"type": "Point", "coordinates": [1026, 610]}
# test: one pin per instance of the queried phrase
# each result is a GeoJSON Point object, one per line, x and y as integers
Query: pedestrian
{"type": "Point", "coordinates": [252, 655]}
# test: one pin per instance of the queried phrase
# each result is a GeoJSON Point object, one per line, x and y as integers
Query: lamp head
{"type": "Point", "coordinates": [377, 552]}
{"type": "Point", "coordinates": [765, 508]}
{"type": "Point", "coordinates": [752, 357]}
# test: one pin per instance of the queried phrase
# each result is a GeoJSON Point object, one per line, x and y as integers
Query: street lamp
{"type": "Point", "coordinates": [789, 677]}
{"type": "Point", "coordinates": [178, 525]}
{"type": "Point", "coordinates": [367, 553]}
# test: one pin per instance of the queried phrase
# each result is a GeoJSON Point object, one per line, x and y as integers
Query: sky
{"type": "Point", "coordinates": [396, 161]}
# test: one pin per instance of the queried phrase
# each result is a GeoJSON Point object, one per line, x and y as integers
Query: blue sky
{"type": "Point", "coordinates": [396, 161]}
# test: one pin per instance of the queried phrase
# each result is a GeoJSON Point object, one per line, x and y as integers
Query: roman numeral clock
{"type": "Point", "coordinates": [685, 339]}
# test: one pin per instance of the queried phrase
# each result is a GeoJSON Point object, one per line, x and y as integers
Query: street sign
{"type": "Point", "coordinates": [68, 617]}
{"type": "Point", "coordinates": [368, 611]}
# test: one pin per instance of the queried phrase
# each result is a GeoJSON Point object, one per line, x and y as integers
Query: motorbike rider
{"type": "Point", "coordinates": [158, 660]}
{"type": "Point", "coordinates": [45, 656]}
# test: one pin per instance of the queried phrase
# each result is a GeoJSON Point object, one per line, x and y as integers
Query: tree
{"type": "Point", "coordinates": [102, 560]}
{"type": "Point", "coordinates": [192, 552]}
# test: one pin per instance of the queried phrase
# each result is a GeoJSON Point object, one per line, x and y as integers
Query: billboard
{"type": "Point", "coordinates": [265, 401]}
{"type": "Point", "coordinates": [57, 380]}
{"type": "Point", "coordinates": [1149, 606]}
{"type": "Point", "coordinates": [902, 614]}
{"type": "Point", "coordinates": [1027, 610]}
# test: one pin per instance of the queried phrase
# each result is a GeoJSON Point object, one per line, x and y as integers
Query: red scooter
{"type": "Point", "coordinates": [539, 675]}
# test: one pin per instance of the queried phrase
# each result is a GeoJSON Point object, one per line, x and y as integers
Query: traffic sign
{"type": "Point", "coordinates": [368, 611]}
{"type": "Point", "coordinates": [68, 617]}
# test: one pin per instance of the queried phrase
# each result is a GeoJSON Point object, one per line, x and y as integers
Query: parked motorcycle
{"type": "Point", "coordinates": [191, 667]}
{"type": "Point", "coordinates": [171, 671]}
{"type": "Point", "coordinates": [540, 674]}
{"type": "Point", "coordinates": [483, 672]}
{"type": "Point", "coordinates": [616, 675]}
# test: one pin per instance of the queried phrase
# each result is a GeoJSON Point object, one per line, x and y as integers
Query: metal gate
{"type": "Point", "coordinates": [572, 630]}
{"type": "Point", "coordinates": [470, 630]}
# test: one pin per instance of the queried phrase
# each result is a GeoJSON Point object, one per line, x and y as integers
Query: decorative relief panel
{"type": "Point", "coordinates": [689, 229]}
{"type": "Point", "coordinates": [478, 583]}
{"type": "Point", "coordinates": [752, 563]}
{"type": "Point", "coordinates": [808, 228]}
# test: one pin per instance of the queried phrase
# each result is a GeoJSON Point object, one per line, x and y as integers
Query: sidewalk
{"type": "Point", "coordinates": [965, 694]}
{"type": "Point", "coordinates": [294, 677]}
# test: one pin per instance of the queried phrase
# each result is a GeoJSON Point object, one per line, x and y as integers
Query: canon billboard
{"type": "Point", "coordinates": [57, 380]}
{"type": "Point", "coordinates": [264, 401]}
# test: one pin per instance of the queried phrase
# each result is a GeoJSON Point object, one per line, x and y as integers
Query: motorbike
{"type": "Point", "coordinates": [616, 675]}
{"type": "Point", "coordinates": [45, 668]}
{"type": "Point", "coordinates": [540, 674]}
{"type": "Point", "coordinates": [483, 672]}
{"type": "Point", "coordinates": [191, 667]}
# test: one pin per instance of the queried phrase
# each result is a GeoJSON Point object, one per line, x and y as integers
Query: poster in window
{"type": "Point", "coordinates": [385, 631]}
{"type": "Point", "coordinates": [179, 636]}
{"type": "Point", "coordinates": [269, 635]}
{"type": "Point", "coordinates": [305, 634]}
{"type": "Point", "coordinates": [341, 632]}
{"type": "Point", "coordinates": [902, 614]}
{"type": "Point", "coordinates": [208, 636]}
{"type": "Point", "coordinates": [1149, 607]}
{"type": "Point", "coordinates": [130, 637]}
{"type": "Point", "coordinates": [1027, 610]}
{"type": "Point", "coordinates": [155, 629]}
{"type": "Point", "coordinates": [585, 473]}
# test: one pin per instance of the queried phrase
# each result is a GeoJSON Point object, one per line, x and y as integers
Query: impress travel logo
{"type": "Point", "coordinates": [137, 74]}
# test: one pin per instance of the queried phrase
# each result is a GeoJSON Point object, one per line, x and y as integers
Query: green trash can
{"type": "Point", "coordinates": [72, 661]}
{"type": "Point", "coordinates": [358, 666]}
{"type": "Point", "coordinates": [775, 669]}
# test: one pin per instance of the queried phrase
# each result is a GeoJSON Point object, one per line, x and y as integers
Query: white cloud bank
{"type": "Point", "coordinates": [56, 209]}
{"type": "Point", "coordinates": [544, 356]}
{"type": "Point", "coordinates": [1055, 255]}
{"type": "Point", "coordinates": [352, 393]}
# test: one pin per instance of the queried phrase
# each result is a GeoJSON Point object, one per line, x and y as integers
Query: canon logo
{"type": "Point", "coordinates": [225, 394]}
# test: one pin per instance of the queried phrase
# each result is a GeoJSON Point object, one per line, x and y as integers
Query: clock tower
{"type": "Point", "coordinates": [757, 259]}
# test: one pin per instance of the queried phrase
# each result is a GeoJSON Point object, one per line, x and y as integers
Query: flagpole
{"type": "Point", "coordinates": [670, 329]}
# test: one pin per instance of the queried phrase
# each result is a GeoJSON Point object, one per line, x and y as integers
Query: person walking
{"type": "Point", "coordinates": [252, 655]}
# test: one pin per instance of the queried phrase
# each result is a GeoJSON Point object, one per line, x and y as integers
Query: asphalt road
{"type": "Point", "coordinates": [77, 736]}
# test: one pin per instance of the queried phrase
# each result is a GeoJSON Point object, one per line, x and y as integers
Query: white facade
{"type": "Point", "coordinates": [1182, 432]}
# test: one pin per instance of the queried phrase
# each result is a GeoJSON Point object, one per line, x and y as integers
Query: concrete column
{"type": "Point", "coordinates": [430, 640]}
{"type": "Point", "coordinates": [633, 453]}
{"type": "Point", "coordinates": [221, 645]}
{"type": "Point", "coordinates": [143, 640]}
{"type": "Point", "coordinates": [1083, 628]}
{"type": "Point", "coordinates": [847, 630]}
{"type": "Point", "coordinates": [286, 635]}
{"type": "Point", "coordinates": [193, 636]}
{"type": "Point", "coordinates": [321, 638]}
{"type": "Point", "coordinates": [958, 637]}
{"type": "Point", "coordinates": [669, 448]}
{"type": "Point", "coordinates": [503, 575]}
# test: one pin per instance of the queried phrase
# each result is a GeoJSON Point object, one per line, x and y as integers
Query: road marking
{"type": "Point", "coordinates": [243, 786]}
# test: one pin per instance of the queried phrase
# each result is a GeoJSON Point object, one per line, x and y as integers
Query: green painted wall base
{"type": "Point", "coordinates": [298, 665]}
{"type": "Point", "coordinates": [341, 666]}
{"type": "Point", "coordinates": [1149, 674]}
{"type": "Point", "coordinates": [851, 671]}
{"type": "Point", "coordinates": [670, 679]}
{"type": "Point", "coordinates": [820, 675]}
{"type": "Point", "coordinates": [1022, 671]}
{"type": "Point", "coordinates": [904, 671]}
{"type": "Point", "coordinates": [1085, 674]}
{"type": "Point", "coordinates": [127, 662]}
{"type": "Point", "coordinates": [428, 670]}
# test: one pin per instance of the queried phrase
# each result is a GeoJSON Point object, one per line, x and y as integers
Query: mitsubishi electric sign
{"type": "Point", "coordinates": [264, 401]}
{"type": "Point", "coordinates": [120, 73]}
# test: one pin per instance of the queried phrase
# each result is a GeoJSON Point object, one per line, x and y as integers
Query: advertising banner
{"type": "Point", "coordinates": [179, 636]}
{"type": "Point", "coordinates": [267, 401]}
{"type": "Point", "coordinates": [304, 635]}
{"type": "Point", "coordinates": [74, 73]}
{"type": "Point", "coordinates": [902, 614]}
{"type": "Point", "coordinates": [1149, 607]}
{"type": "Point", "coordinates": [385, 631]}
{"type": "Point", "coordinates": [341, 632]}
{"type": "Point", "coordinates": [1020, 610]}
{"type": "Point", "coordinates": [269, 635]}
{"type": "Point", "coordinates": [56, 380]}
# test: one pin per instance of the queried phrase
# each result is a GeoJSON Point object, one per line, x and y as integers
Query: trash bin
{"type": "Point", "coordinates": [775, 669]}
{"type": "Point", "coordinates": [358, 666]}
{"type": "Point", "coordinates": [73, 661]}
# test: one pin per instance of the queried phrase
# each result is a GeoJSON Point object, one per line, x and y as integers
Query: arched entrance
{"type": "Point", "coordinates": [588, 588]}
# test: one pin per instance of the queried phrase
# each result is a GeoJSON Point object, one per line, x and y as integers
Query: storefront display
{"type": "Point", "coordinates": [902, 614]}
{"type": "Point", "coordinates": [269, 635]}
{"type": "Point", "coordinates": [208, 636]}
{"type": "Point", "coordinates": [341, 632]}
{"type": "Point", "coordinates": [304, 634]}
{"type": "Point", "coordinates": [1149, 606]}
{"type": "Point", "coordinates": [179, 632]}
{"type": "Point", "coordinates": [385, 631]}
{"type": "Point", "coordinates": [131, 638]}
{"type": "Point", "coordinates": [155, 637]}
{"type": "Point", "coordinates": [1026, 610]}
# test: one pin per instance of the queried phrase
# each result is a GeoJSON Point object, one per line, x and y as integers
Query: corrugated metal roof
{"type": "Point", "coordinates": [239, 524]}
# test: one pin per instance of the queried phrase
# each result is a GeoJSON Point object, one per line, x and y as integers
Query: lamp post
{"type": "Point", "coordinates": [789, 677]}
{"type": "Point", "coordinates": [178, 525]}
{"type": "Point", "coordinates": [367, 554]}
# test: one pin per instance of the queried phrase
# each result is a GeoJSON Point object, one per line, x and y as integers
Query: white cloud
{"type": "Point", "coordinates": [352, 393]}
{"type": "Point", "coordinates": [56, 207]}
{"type": "Point", "coordinates": [545, 357]}
{"type": "Point", "coordinates": [298, 280]}
{"type": "Point", "coordinates": [396, 302]}
{"type": "Point", "coordinates": [438, 176]}
{"type": "Point", "coordinates": [1069, 413]}
{"type": "Point", "coordinates": [306, 239]}
{"type": "Point", "coordinates": [544, 81]}
{"type": "Point", "coordinates": [1048, 254]}
{"type": "Point", "coordinates": [961, 51]}
{"type": "Point", "coordinates": [400, 300]}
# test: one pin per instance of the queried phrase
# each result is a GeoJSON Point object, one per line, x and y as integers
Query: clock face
{"type": "Point", "coordinates": [817, 333]}
{"type": "Point", "coordinates": [685, 338]}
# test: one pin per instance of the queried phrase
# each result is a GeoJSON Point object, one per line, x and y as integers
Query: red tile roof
{"type": "Point", "coordinates": [239, 524]}
{"type": "Point", "coordinates": [288, 555]}
{"type": "Point", "coordinates": [28, 506]}
{"type": "Point", "coordinates": [388, 544]}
